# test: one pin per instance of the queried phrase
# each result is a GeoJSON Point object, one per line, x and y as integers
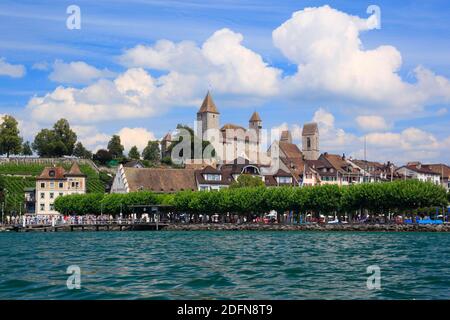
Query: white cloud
{"type": "Point", "coordinates": [222, 62]}
{"type": "Point", "coordinates": [77, 72]}
{"type": "Point", "coordinates": [128, 96]}
{"type": "Point", "coordinates": [138, 137]}
{"type": "Point", "coordinates": [371, 123]}
{"type": "Point", "coordinates": [91, 138]}
{"type": "Point", "coordinates": [11, 70]}
{"type": "Point", "coordinates": [332, 139]}
{"type": "Point", "coordinates": [325, 44]}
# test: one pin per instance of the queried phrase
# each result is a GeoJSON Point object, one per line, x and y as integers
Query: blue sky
{"type": "Point", "coordinates": [33, 35]}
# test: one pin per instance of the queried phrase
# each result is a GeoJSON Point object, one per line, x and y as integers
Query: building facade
{"type": "Point", "coordinates": [54, 182]}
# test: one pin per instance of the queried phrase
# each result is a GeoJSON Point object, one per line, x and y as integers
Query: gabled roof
{"type": "Point", "coordinates": [255, 117]}
{"type": "Point", "coordinates": [440, 168]}
{"type": "Point", "coordinates": [210, 169]}
{"type": "Point", "coordinates": [52, 173]}
{"type": "Point", "coordinates": [232, 126]}
{"type": "Point", "coordinates": [208, 105]}
{"type": "Point", "coordinates": [420, 169]}
{"type": "Point", "coordinates": [167, 137]}
{"type": "Point", "coordinates": [160, 180]}
{"type": "Point", "coordinates": [75, 171]}
{"type": "Point", "coordinates": [134, 164]}
{"type": "Point", "coordinates": [310, 129]}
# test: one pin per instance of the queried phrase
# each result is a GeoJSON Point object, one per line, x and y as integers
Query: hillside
{"type": "Point", "coordinates": [16, 176]}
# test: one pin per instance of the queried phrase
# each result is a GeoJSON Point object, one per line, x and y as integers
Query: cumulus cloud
{"type": "Point", "coordinates": [371, 123]}
{"type": "Point", "coordinates": [128, 96]}
{"type": "Point", "coordinates": [11, 70]}
{"type": "Point", "coordinates": [91, 138]}
{"type": "Point", "coordinates": [138, 137]}
{"type": "Point", "coordinates": [332, 139]}
{"type": "Point", "coordinates": [221, 62]}
{"type": "Point", "coordinates": [76, 72]}
{"type": "Point", "coordinates": [326, 46]}
{"type": "Point", "coordinates": [410, 144]}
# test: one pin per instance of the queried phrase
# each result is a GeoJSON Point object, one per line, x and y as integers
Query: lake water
{"type": "Point", "coordinates": [224, 265]}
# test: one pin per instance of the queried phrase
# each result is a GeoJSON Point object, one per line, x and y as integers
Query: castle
{"type": "Point", "coordinates": [231, 141]}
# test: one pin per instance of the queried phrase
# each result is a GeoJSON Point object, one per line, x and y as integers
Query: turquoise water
{"type": "Point", "coordinates": [224, 265]}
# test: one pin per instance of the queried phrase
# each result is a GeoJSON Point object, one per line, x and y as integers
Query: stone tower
{"type": "Point", "coordinates": [310, 141]}
{"type": "Point", "coordinates": [255, 122]}
{"type": "Point", "coordinates": [165, 144]}
{"type": "Point", "coordinates": [208, 117]}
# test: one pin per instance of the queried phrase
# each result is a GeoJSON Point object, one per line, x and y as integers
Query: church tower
{"type": "Point", "coordinates": [310, 141]}
{"type": "Point", "coordinates": [208, 117]}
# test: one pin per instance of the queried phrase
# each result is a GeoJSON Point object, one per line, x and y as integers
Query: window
{"type": "Point", "coordinates": [61, 185]}
{"type": "Point", "coordinates": [212, 177]}
{"type": "Point", "coordinates": [308, 143]}
{"type": "Point", "coordinates": [52, 195]}
{"type": "Point", "coordinates": [75, 184]}
{"type": "Point", "coordinates": [43, 185]}
{"type": "Point", "coordinates": [52, 185]}
{"type": "Point", "coordinates": [52, 207]}
{"type": "Point", "coordinates": [61, 194]}
{"type": "Point", "coordinates": [42, 207]}
{"type": "Point", "coordinates": [51, 173]}
{"type": "Point", "coordinates": [42, 195]}
{"type": "Point", "coordinates": [284, 179]}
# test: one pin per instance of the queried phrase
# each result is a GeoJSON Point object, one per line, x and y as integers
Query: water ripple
{"type": "Point", "coordinates": [224, 265]}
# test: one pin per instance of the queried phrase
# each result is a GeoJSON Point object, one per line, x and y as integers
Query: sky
{"type": "Point", "coordinates": [137, 68]}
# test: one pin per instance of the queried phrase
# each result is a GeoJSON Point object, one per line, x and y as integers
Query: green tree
{"type": "Point", "coordinates": [102, 156]}
{"type": "Point", "coordinates": [194, 140]}
{"type": "Point", "coordinates": [55, 142]}
{"type": "Point", "coordinates": [246, 180]}
{"type": "Point", "coordinates": [81, 152]}
{"type": "Point", "coordinates": [115, 147]}
{"type": "Point", "coordinates": [134, 153]}
{"type": "Point", "coordinates": [151, 152]}
{"type": "Point", "coordinates": [10, 141]}
{"type": "Point", "coordinates": [65, 134]}
{"type": "Point", "coordinates": [26, 149]}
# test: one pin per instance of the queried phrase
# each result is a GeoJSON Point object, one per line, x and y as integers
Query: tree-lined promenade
{"type": "Point", "coordinates": [399, 197]}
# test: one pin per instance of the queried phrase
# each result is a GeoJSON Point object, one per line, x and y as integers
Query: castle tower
{"type": "Point", "coordinates": [165, 144]}
{"type": "Point", "coordinates": [208, 117]}
{"type": "Point", "coordinates": [310, 141]}
{"type": "Point", "coordinates": [255, 122]}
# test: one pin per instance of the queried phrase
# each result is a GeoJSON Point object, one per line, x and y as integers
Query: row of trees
{"type": "Point", "coordinates": [378, 198]}
{"type": "Point", "coordinates": [61, 140]}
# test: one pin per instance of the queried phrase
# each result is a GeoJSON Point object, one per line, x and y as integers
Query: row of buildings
{"type": "Point", "coordinates": [295, 166]}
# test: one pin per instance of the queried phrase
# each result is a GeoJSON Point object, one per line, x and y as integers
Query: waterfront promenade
{"type": "Point", "coordinates": [128, 225]}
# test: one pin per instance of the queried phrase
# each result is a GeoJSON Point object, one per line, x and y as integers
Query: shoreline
{"type": "Point", "coordinates": [252, 227]}
{"type": "Point", "coordinates": [310, 227]}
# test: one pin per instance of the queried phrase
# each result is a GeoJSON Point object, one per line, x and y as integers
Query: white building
{"type": "Point", "coordinates": [415, 170]}
{"type": "Point", "coordinates": [54, 182]}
